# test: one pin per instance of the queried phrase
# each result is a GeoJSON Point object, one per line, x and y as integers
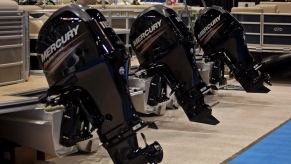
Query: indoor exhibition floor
{"type": "Point", "coordinates": [245, 119]}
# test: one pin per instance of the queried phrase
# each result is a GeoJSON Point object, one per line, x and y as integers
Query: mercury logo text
{"type": "Point", "coordinates": [147, 32]}
{"type": "Point", "coordinates": [59, 43]}
{"type": "Point", "coordinates": [209, 26]}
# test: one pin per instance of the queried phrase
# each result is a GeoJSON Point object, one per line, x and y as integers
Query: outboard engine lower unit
{"type": "Point", "coordinates": [221, 37]}
{"type": "Point", "coordinates": [165, 50]}
{"type": "Point", "coordinates": [84, 63]}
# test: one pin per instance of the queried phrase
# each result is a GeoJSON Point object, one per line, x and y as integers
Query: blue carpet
{"type": "Point", "coordinates": [275, 148]}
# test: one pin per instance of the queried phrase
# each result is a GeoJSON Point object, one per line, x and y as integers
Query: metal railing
{"type": "Point", "coordinates": [278, 26]}
{"type": "Point", "coordinates": [14, 61]}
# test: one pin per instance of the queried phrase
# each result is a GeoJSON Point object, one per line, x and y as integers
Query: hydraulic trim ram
{"type": "Point", "coordinates": [165, 50]}
{"type": "Point", "coordinates": [84, 63]}
{"type": "Point", "coordinates": [221, 37]}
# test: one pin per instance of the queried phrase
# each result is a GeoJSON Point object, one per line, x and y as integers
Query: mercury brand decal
{"type": "Point", "coordinates": [59, 43]}
{"type": "Point", "coordinates": [147, 32]}
{"type": "Point", "coordinates": [209, 26]}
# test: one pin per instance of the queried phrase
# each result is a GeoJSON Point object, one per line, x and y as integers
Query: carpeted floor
{"type": "Point", "coordinates": [245, 119]}
{"type": "Point", "coordinates": [272, 149]}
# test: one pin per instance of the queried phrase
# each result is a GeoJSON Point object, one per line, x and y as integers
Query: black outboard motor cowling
{"type": "Point", "coordinates": [84, 63]}
{"type": "Point", "coordinates": [221, 37]}
{"type": "Point", "coordinates": [165, 48]}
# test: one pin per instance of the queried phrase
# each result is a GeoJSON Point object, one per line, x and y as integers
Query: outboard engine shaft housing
{"type": "Point", "coordinates": [221, 37]}
{"type": "Point", "coordinates": [165, 50]}
{"type": "Point", "coordinates": [84, 62]}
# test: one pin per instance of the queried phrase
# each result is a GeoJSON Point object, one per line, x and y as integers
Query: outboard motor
{"type": "Point", "coordinates": [221, 37]}
{"type": "Point", "coordinates": [165, 50]}
{"type": "Point", "coordinates": [84, 63]}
